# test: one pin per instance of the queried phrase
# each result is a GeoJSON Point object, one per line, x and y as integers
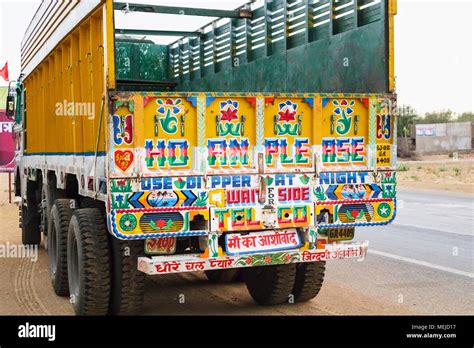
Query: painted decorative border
{"type": "Point", "coordinates": [362, 224]}
{"type": "Point", "coordinates": [179, 264]}
{"type": "Point", "coordinates": [237, 94]}
{"type": "Point", "coordinates": [113, 228]}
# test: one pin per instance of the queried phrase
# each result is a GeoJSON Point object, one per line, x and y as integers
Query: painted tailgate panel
{"type": "Point", "coordinates": [345, 132]}
{"type": "Point", "coordinates": [230, 135]}
{"type": "Point", "coordinates": [289, 135]}
{"type": "Point", "coordinates": [169, 135]}
{"type": "Point", "coordinates": [187, 164]}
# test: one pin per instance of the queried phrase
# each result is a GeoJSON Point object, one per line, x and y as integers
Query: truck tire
{"type": "Point", "coordinates": [309, 280]}
{"type": "Point", "coordinates": [128, 283]}
{"type": "Point", "coordinates": [223, 275]}
{"type": "Point", "coordinates": [58, 226]}
{"type": "Point", "coordinates": [270, 285]}
{"type": "Point", "coordinates": [48, 197]}
{"type": "Point", "coordinates": [88, 262]}
{"type": "Point", "coordinates": [30, 231]}
{"type": "Point", "coordinates": [46, 206]}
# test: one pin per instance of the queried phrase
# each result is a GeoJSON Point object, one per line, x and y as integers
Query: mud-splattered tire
{"type": "Point", "coordinates": [58, 226]}
{"type": "Point", "coordinates": [88, 262]}
{"type": "Point", "coordinates": [30, 222]}
{"type": "Point", "coordinates": [270, 285]}
{"type": "Point", "coordinates": [128, 283]}
{"type": "Point", "coordinates": [309, 280]}
{"type": "Point", "coordinates": [223, 275]}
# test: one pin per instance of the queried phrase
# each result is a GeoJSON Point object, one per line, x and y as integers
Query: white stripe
{"type": "Point", "coordinates": [421, 263]}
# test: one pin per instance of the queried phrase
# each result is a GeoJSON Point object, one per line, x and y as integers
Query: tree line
{"type": "Point", "coordinates": [408, 116]}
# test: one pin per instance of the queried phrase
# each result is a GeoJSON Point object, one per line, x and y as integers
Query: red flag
{"type": "Point", "coordinates": [4, 72]}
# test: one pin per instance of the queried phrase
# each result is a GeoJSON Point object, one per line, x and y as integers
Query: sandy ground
{"type": "Point", "coordinates": [25, 287]}
{"type": "Point", "coordinates": [437, 173]}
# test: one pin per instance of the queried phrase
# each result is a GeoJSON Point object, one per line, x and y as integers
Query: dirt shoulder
{"type": "Point", "coordinates": [439, 173]}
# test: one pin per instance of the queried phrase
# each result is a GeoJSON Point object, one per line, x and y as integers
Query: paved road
{"type": "Point", "coordinates": [421, 264]}
{"type": "Point", "coordinates": [424, 259]}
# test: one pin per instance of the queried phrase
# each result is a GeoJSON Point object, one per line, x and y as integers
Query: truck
{"type": "Point", "coordinates": [249, 148]}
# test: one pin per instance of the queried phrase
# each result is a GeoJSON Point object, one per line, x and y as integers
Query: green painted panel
{"type": "Point", "coordinates": [292, 46]}
{"type": "Point", "coordinates": [141, 61]}
{"type": "Point", "coordinates": [354, 61]}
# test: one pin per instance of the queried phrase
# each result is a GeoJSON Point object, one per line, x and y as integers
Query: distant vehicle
{"type": "Point", "coordinates": [249, 149]}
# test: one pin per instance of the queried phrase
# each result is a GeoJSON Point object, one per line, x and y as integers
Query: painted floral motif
{"type": "Point", "coordinates": [161, 224]}
{"type": "Point", "coordinates": [354, 214]}
{"type": "Point", "coordinates": [266, 259]}
{"type": "Point", "coordinates": [128, 222]}
{"type": "Point", "coordinates": [287, 114]}
{"type": "Point", "coordinates": [170, 108]}
{"type": "Point", "coordinates": [229, 113]}
{"type": "Point", "coordinates": [180, 183]}
{"type": "Point", "coordinates": [343, 109]}
{"type": "Point", "coordinates": [229, 110]}
{"type": "Point", "coordinates": [319, 193]}
{"type": "Point", "coordinates": [201, 201]}
{"type": "Point", "coordinates": [121, 186]}
{"type": "Point", "coordinates": [120, 201]}
{"type": "Point", "coordinates": [304, 179]}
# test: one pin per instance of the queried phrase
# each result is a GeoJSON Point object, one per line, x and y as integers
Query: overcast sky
{"type": "Point", "coordinates": [433, 48]}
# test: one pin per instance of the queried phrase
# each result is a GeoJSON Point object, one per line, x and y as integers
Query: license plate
{"type": "Point", "coordinates": [238, 244]}
{"type": "Point", "coordinates": [339, 234]}
{"type": "Point", "coordinates": [162, 245]}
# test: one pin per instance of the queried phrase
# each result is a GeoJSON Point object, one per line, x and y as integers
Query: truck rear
{"type": "Point", "coordinates": [250, 148]}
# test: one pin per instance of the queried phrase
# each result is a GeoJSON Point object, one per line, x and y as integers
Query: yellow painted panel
{"type": "Point", "coordinates": [169, 133]}
{"type": "Point", "coordinates": [344, 131]}
{"type": "Point", "coordinates": [110, 43]}
{"type": "Point", "coordinates": [384, 137]}
{"type": "Point", "coordinates": [288, 134]}
{"type": "Point", "coordinates": [64, 94]}
{"type": "Point", "coordinates": [230, 133]}
{"type": "Point", "coordinates": [49, 116]}
{"type": "Point", "coordinates": [78, 114]}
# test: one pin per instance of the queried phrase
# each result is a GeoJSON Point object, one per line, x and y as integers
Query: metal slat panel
{"type": "Point", "coordinates": [38, 43]}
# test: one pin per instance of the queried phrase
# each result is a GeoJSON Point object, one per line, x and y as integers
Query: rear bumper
{"type": "Point", "coordinates": [195, 262]}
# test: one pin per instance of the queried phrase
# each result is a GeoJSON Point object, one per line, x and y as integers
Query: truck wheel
{"type": "Point", "coordinates": [270, 285]}
{"type": "Point", "coordinates": [58, 226]}
{"type": "Point", "coordinates": [128, 283]}
{"type": "Point", "coordinates": [30, 221]}
{"type": "Point", "coordinates": [309, 280]}
{"type": "Point", "coordinates": [88, 262]}
{"type": "Point", "coordinates": [223, 275]}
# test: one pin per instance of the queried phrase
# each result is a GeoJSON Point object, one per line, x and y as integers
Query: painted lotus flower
{"type": "Point", "coordinates": [229, 110]}
{"type": "Point", "coordinates": [287, 111]}
{"type": "Point", "coordinates": [287, 115]}
{"type": "Point", "coordinates": [229, 114]}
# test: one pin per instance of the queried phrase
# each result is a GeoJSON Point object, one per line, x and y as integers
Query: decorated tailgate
{"type": "Point", "coordinates": [194, 164]}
